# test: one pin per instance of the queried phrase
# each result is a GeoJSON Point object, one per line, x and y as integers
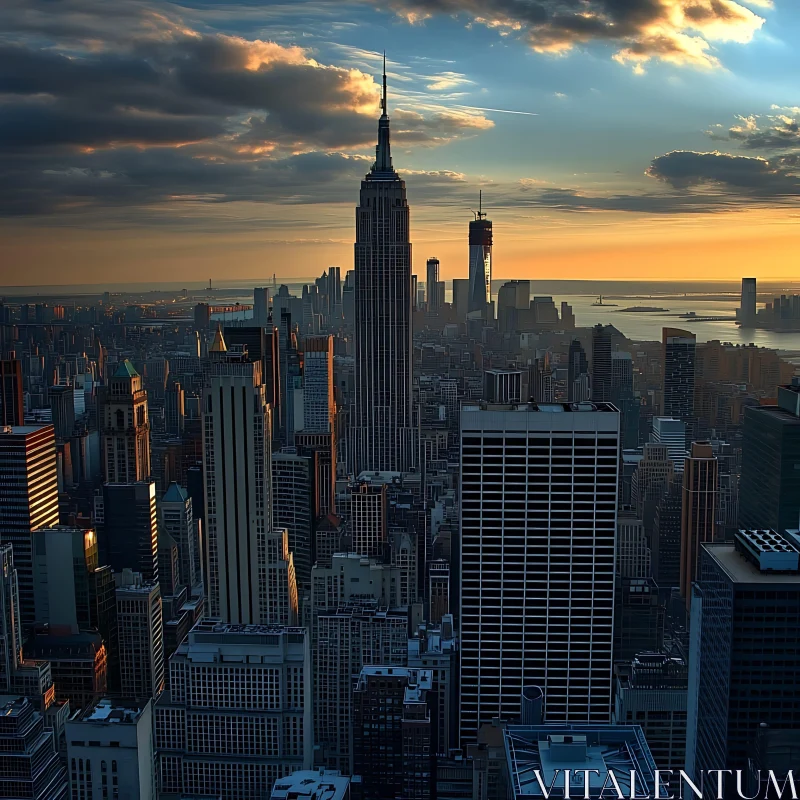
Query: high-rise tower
{"type": "Point", "coordinates": [383, 433]}
{"type": "Point", "coordinates": [480, 261]}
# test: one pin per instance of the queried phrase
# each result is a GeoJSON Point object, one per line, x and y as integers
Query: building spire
{"type": "Point", "coordinates": [383, 154]}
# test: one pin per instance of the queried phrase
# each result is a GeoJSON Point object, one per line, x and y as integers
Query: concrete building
{"type": "Point", "coordinates": [10, 625]}
{"type": "Point", "coordinates": [577, 373]}
{"type": "Point", "coordinates": [633, 553]}
{"type": "Point", "coordinates": [238, 713]}
{"type": "Point", "coordinates": [282, 604]}
{"type": "Point", "coordinates": [651, 691]}
{"type": "Point", "coordinates": [110, 751]}
{"type": "Point", "coordinates": [12, 408]}
{"type": "Point", "coordinates": [538, 524]}
{"type": "Point", "coordinates": [236, 465]}
{"type": "Point", "coordinates": [354, 636]}
{"type": "Point", "coordinates": [698, 510]}
{"type": "Point", "coordinates": [393, 733]}
{"type": "Point", "coordinates": [747, 310]}
{"type": "Point", "coordinates": [368, 518]}
{"type": "Point", "coordinates": [319, 406]}
{"type": "Point", "coordinates": [28, 499]}
{"type": "Point", "coordinates": [743, 667]}
{"type": "Point", "coordinates": [125, 427]}
{"type": "Point", "coordinates": [30, 766]}
{"type": "Point", "coordinates": [438, 590]}
{"type": "Point", "coordinates": [140, 627]}
{"type": "Point", "coordinates": [502, 385]}
{"type": "Point", "coordinates": [434, 288]}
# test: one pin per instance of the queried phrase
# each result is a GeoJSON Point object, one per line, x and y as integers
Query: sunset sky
{"type": "Point", "coordinates": [653, 139]}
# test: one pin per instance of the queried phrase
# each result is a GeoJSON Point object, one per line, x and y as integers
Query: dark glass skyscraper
{"type": "Point", "coordinates": [383, 433]}
{"type": "Point", "coordinates": [769, 492]}
{"type": "Point", "coordinates": [480, 262]}
{"type": "Point", "coordinates": [679, 368]}
{"type": "Point", "coordinates": [601, 364]}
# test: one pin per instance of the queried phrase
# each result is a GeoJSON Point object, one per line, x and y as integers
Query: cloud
{"type": "Point", "coordinates": [675, 31]}
{"type": "Point", "coordinates": [447, 80]}
{"type": "Point", "coordinates": [745, 176]}
{"type": "Point", "coordinates": [99, 109]}
{"type": "Point", "coordinates": [780, 131]}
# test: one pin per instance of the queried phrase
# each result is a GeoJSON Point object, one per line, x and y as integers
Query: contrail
{"type": "Point", "coordinates": [501, 110]}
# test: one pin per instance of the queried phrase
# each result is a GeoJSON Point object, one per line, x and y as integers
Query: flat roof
{"type": "Point", "coordinates": [547, 408]}
{"type": "Point", "coordinates": [740, 570]}
{"type": "Point", "coordinates": [112, 712]}
{"type": "Point", "coordinates": [323, 784]}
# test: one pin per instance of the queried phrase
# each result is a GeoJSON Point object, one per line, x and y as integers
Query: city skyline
{"type": "Point", "coordinates": [212, 139]}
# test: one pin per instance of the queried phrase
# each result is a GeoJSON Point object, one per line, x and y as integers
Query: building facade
{"type": "Point", "coordinates": [538, 523]}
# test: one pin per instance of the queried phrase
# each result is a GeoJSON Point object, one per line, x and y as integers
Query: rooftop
{"type": "Point", "coordinates": [112, 712]}
{"type": "Point", "coordinates": [541, 756]}
{"type": "Point", "coordinates": [548, 408]}
{"type": "Point", "coordinates": [125, 370]}
{"type": "Point", "coordinates": [175, 494]}
{"type": "Point", "coordinates": [741, 569]}
{"type": "Point", "coordinates": [322, 784]}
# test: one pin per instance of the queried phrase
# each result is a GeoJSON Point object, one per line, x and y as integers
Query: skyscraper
{"type": "Point", "coordinates": [382, 426]}
{"type": "Point", "coordinates": [698, 511]}
{"type": "Point", "coordinates": [480, 261]}
{"type": "Point", "coordinates": [577, 373]}
{"type": "Point", "coordinates": [433, 286]}
{"type": "Point", "coordinates": [125, 427]}
{"type": "Point", "coordinates": [679, 366]}
{"type": "Point", "coordinates": [747, 311]}
{"type": "Point", "coordinates": [538, 522]}
{"type": "Point", "coordinates": [237, 469]}
{"type": "Point", "coordinates": [12, 411]}
{"type": "Point", "coordinates": [319, 408]}
{"type": "Point", "coordinates": [769, 491]}
{"type": "Point", "coordinates": [672, 433]}
{"type": "Point", "coordinates": [743, 667]}
{"type": "Point", "coordinates": [10, 626]}
{"type": "Point", "coordinates": [28, 499]}
{"type": "Point", "coordinates": [601, 364]}
{"type": "Point", "coordinates": [128, 536]}
{"type": "Point", "coordinates": [177, 520]}
{"type": "Point", "coordinates": [238, 715]}
{"type": "Point", "coordinates": [261, 306]}
{"type": "Point", "coordinates": [368, 518]}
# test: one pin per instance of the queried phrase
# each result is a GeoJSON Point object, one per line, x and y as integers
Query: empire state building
{"type": "Point", "coordinates": [383, 434]}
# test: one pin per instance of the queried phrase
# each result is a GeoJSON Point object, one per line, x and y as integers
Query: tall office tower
{"type": "Point", "coordinates": [652, 475]}
{"type": "Point", "coordinates": [321, 449]}
{"type": "Point", "coordinates": [638, 618]}
{"type": "Point", "coordinates": [349, 298]}
{"type": "Point", "coordinates": [747, 311]}
{"type": "Point", "coordinates": [256, 679]}
{"type": "Point", "coordinates": [335, 294]}
{"type": "Point", "coordinates": [436, 648]}
{"type": "Point", "coordinates": [202, 317]}
{"type": "Point", "coordinates": [542, 384]}
{"type": "Point", "coordinates": [461, 297]}
{"type": "Point", "coordinates": [30, 765]}
{"type": "Point", "coordinates": [282, 607]}
{"type": "Point", "coordinates": [698, 511]}
{"type": "Point", "coordinates": [177, 519]}
{"type": "Point", "coordinates": [621, 375]}
{"type": "Point", "coordinates": [368, 518]}
{"type": "Point", "coordinates": [577, 369]}
{"type": "Point", "coordinates": [128, 536]}
{"type": "Point", "coordinates": [28, 499]}
{"type": "Point", "coordinates": [502, 385]}
{"type": "Point", "coordinates": [513, 297]}
{"type": "Point", "coordinates": [434, 286]}
{"type": "Point", "coordinates": [10, 626]}
{"type": "Point", "coordinates": [623, 398]}
{"type": "Point", "coordinates": [672, 433]}
{"type": "Point", "coordinates": [174, 410]}
{"type": "Point", "coordinates": [261, 306]}
{"type": "Point", "coordinates": [125, 427]}
{"type": "Point", "coordinates": [237, 469]}
{"type": "Point", "coordinates": [651, 691]}
{"type": "Point", "coordinates": [393, 732]}
{"type": "Point", "coordinates": [12, 408]}
{"type": "Point", "coordinates": [601, 364]}
{"type": "Point", "coordinates": [538, 521]}
{"type": "Point", "coordinates": [633, 554]}
{"type": "Point", "coordinates": [349, 639]}
{"type": "Point", "coordinates": [480, 261]}
{"type": "Point", "coordinates": [745, 637]}
{"type": "Point", "coordinates": [384, 437]}
{"type": "Point", "coordinates": [665, 537]}
{"type": "Point", "coordinates": [678, 353]}
{"type": "Point", "coordinates": [769, 490]}
{"type": "Point", "coordinates": [141, 636]}
{"type": "Point", "coordinates": [438, 590]}
{"type": "Point", "coordinates": [79, 598]}
{"type": "Point", "coordinates": [98, 772]}
{"type": "Point", "coordinates": [319, 406]}
{"type": "Point", "coordinates": [293, 486]}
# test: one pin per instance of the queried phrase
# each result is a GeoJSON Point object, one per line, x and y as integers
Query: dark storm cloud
{"type": "Point", "coordinates": [679, 31]}
{"type": "Point", "coordinates": [749, 177]}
